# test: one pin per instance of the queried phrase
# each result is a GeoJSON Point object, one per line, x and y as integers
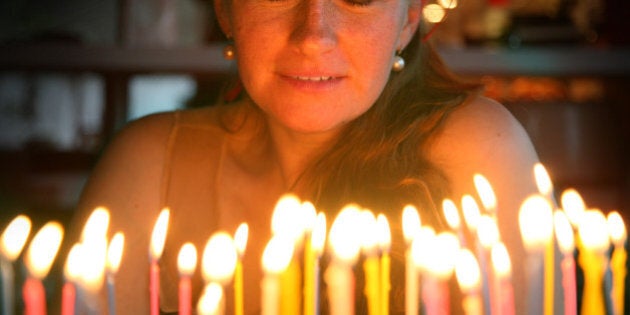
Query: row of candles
{"type": "Point", "coordinates": [291, 285]}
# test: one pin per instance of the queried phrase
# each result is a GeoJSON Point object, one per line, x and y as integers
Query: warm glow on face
{"type": "Point", "coordinates": [573, 205]}
{"type": "Point", "coordinates": [367, 226]}
{"type": "Point", "coordinates": [187, 260]}
{"type": "Point", "coordinates": [449, 209]}
{"type": "Point", "coordinates": [486, 193]}
{"type": "Point", "coordinates": [277, 255]}
{"type": "Point", "coordinates": [211, 300]}
{"type": "Point", "coordinates": [240, 238]}
{"type": "Point", "coordinates": [501, 260]}
{"type": "Point", "coordinates": [593, 231]}
{"type": "Point", "coordinates": [448, 4]}
{"type": "Point", "coordinates": [287, 219]}
{"type": "Point", "coordinates": [96, 225]}
{"type": "Point", "coordinates": [487, 231]}
{"type": "Point", "coordinates": [219, 258]}
{"type": "Point", "coordinates": [564, 232]}
{"type": "Point", "coordinates": [421, 247]}
{"type": "Point", "coordinates": [410, 222]}
{"type": "Point", "coordinates": [318, 237]}
{"type": "Point", "coordinates": [536, 222]}
{"type": "Point", "coordinates": [43, 249]}
{"type": "Point", "coordinates": [344, 237]}
{"type": "Point", "coordinates": [158, 236]}
{"type": "Point", "coordinates": [384, 233]}
{"type": "Point", "coordinates": [543, 181]}
{"type": "Point", "coordinates": [14, 237]}
{"type": "Point", "coordinates": [73, 269]}
{"type": "Point", "coordinates": [443, 255]}
{"type": "Point", "coordinates": [616, 228]}
{"type": "Point", "coordinates": [467, 271]}
{"type": "Point", "coordinates": [114, 252]}
{"type": "Point", "coordinates": [471, 212]}
{"type": "Point", "coordinates": [433, 13]}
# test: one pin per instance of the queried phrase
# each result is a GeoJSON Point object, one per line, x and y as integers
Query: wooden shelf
{"type": "Point", "coordinates": [553, 61]}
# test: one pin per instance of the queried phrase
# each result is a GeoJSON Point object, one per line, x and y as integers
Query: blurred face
{"type": "Point", "coordinates": [315, 65]}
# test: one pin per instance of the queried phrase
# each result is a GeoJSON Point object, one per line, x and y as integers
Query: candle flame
{"type": "Point", "coordinates": [240, 238]}
{"type": "Point", "coordinates": [616, 228]}
{"type": "Point", "coordinates": [451, 214]}
{"type": "Point", "coordinates": [486, 193]}
{"type": "Point", "coordinates": [287, 218]}
{"type": "Point", "coordinates": [14, 237]}
{"type": "Point", "coordinates": [467, 271]}
{"type": "Point", "coordinates": [433, 13]}
{"type": "Point", "coordinates": [488, 231]}
{"type": "Point", "coordinates": [318, 237]}
{"type": "Point", "coordinates": [448, 4]}
{"type": "Point", "coordinates": [421, 247]}
{"type": "Point", "coordinates": [310, 215]}
{"type": "Point", "coordinates": [564, 232]}
{"type": "Point", "coordinates": [277, 254]}
{"type": "Point", "coordinates": [187, 259]}
{"type": "Point", "coordinates": [470, 208]}
{"type": "Point", "coordinates": [211, 300]}
{"type": "Point", "coordinates": [344, 238]}
{"type": "Point", "coordinates": [573, 205]}
{"type": "Point", "coordinates": [444, 251]}
{"type": "Point", "coordinates": [384, 233]}
{"type": "Point", "coordinates": [158, 236]}
{"type": "Point", "coordinates": [593, 231]}
{"type": "Point", "coordinates": [114, 252]}
{"type": "Point", "coordinates": [410, 223]}
{"type": "Point", "coordinates": [220, 269]}
{"type": "Point", "coordinates": [73, 269]}
{"type": "Point", "coordinates": [543, 180]}
{"type": "Point", "coordinates": [367, 225]}
{"type": "Point", "coordinates": [501, 260]}
{"type": "Point", "coordinates": [536, 222]}
{"type": "Point", "coordinates": [96, 225]}
{"type": "Point", "coordinates": [43, 249]}
{"type": "Point", "coordinates": [93, 260]}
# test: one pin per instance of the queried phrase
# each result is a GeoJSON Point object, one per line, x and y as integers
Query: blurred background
{"type": "Point", "coordinates": [72, 72]}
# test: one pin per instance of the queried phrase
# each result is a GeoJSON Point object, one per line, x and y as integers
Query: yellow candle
{"type": "Point", "coordinates": [384, 244]}
{"type": "Point", "coordinates": [275, 259]}
{"type": "Point", "coordinates": [411, 227]}
{"type": "Point", "coordinates": [310, 215]}
{"type": "Point", "coordinates": [240, 241]}
{"type": "Point", "coordinates": [545, 187]}
{"type": "Point", "coordinates": [618, 235]}
{"type": "Point", "coordinates": [595, 241]}
{"type": "Point", "coordinates": [371, 262]}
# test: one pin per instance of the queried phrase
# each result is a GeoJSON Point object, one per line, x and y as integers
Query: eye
{"type": "Point", "coordinates": [359, 3]}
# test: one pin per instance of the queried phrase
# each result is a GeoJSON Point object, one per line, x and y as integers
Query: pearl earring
{"type": "Point", "coordinates": [229, 52]}
{"type": "Point", "coordinates": [399, 62]}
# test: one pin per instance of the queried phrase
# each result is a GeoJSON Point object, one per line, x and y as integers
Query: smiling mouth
{"type": "Point", "coordinates": [313, 79]}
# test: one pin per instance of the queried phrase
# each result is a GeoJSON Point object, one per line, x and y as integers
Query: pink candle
{"type": "Point", "coordinates": [186, 264]}
{"type": "Point", "coordinates": [68, 297]}
{"type": "Point", "coordinates": [158, 237]}
{"type": "Point", "coordinates": [154, 288]}
{"type": "Point", "coordinates": [34, 297]}
{"type": "Point", "coordinates": [184, 295]}
{"type": "Point", "coordinates": [435, 295]}
{"type": "Point", "coordinates": [502, 291]}
{"type": "Point", "coordinates": [568, 283]}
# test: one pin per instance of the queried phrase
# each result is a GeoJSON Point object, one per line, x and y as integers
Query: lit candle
{"type": "Point", "coordinates": [573, 205]}
{"type": "Point", "coordinates": [221, 271]}
{"type": "Point", "coordinates": [411, 226]}
{"type": "Point", "coordinates": [369, 243]}
{"type": "Point", "coordinates": [453, 220]}
{"type": "Point", "coordinates": [93, 256]}
{"type": "Point", "coordinates": [472, 217]}
{"type": "Point", "coordinates": [536, 226]}
{"type": "Point", "coordinates": [420, 253]}
{"type": "Point", "coordinates": [12, 242]}
{"type": "Point", "coordinates": [384, 244]}
{"type": "Point", "coordinates": [595, 243]}
{"type": "Point", "coordinates": [345, 247]}
{"type": "Point", "coordinates": [275, 259]}
{"type": "Point", "coordinates": [158, 237]}
{"type": "Point", "coordinates": [469, 279]}
{"type": "Point", "coordinates": [503, 297]}
{"type": "Point", "coordinates": [545, 187]}
{"type": "Point", "coordinates": [240, 241]}
{"type": "Point", "coordinates": [212, 300]}
{"type": "Point", "coordinates": [39, 259]}
{"type": "Point", "coordinates": [440, 267]}
{"type": "Point", "coordinates": [318, 239]}
{"type": "Point", "coordinates": [486, 194]}
{"type": "Point", "coordinates": [114, 255]}
{"type": "Point", "coordinates": [72, 274]}
{"type": "Point", "coordinates": [310, 215]}
{"type": "Point", "coordinates": [566, 243]}
{"type": "Point", "coordinates": [487, 236]}
{"type": "Point", "coordinates": [186, 264]}
{"type": "Point", "coordinates": [618, 235]}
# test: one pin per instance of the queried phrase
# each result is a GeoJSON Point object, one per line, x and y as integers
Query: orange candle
{"type": "Point", "coordinates": [158, 237]}
{"type": "Point", "coordinates": [186, 264]}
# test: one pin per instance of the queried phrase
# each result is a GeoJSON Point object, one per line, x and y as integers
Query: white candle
{"type": "Point", "coordinates": [12, 242]}
{"type": "Point", "coordinates": [410, 226]}
{"type": "Point", "coordinates": [114, 256]}
{"type": "Point", "coordinates": [212, 300]}
{"type": "Point", "coordinates": [276, 258]}
{"type": "Point", "coordinates": [318, 240]}
{"type": "Point", "coordinates": [469, 279]}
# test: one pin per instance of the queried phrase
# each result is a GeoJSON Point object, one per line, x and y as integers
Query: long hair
{"type": "Point", "coordinates": [379, 160]}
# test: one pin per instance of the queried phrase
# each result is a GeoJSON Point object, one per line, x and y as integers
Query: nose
{"type": "Point", "coordinates": [314, 31]}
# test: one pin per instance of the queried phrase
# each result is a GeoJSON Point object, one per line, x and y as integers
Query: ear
{"type": "Point", "coordinates": [222, 14]}
{"type": "Point", "coordinates": [410, 26]}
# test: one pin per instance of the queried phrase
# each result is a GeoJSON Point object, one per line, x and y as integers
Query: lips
{"type": "Point", "coordinates": [314, 79]}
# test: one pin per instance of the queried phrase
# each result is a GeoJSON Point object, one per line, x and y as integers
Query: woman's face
{"type": "Point", "coordinates": [314, 65]}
